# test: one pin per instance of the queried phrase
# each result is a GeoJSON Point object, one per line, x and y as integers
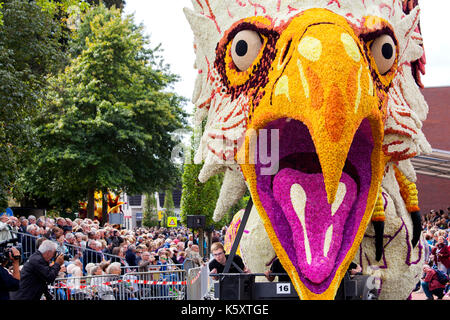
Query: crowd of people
{"type": "Point", "coordinates": [436, 230]}
{"type": "Point", "coordinates": [89, 249]}
{"type": "Point", "coordinates": [82, 247]}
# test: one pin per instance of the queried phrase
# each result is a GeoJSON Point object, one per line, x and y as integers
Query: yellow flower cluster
{"type": "Point", "coordinates": [408, 191]}
{"type": "Point", "coordinates": [378, 212]}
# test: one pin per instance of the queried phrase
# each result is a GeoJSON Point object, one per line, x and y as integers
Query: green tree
{"type": "Point", "coordinates": [29, 52]}
{"type": "Point", "coordinates": [119, 4]}
{"type": "Point", "coordinates": [169, 206]}
{"type": "Point", "coordinates": [198, 198]}
{"type": "Point", "coordinates": [150, 218]}
{"type": "Point", "coordinates": [1, 14]}
{"type": "Point", "coordinates": [109, 118]}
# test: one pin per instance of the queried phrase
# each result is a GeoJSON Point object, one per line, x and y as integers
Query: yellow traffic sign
{"type": "Point", "coordinates": [172, 222]}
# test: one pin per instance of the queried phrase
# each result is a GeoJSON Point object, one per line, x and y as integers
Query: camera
{"type": "Point", "coordinates": [6, 249]}
{"type": "Point", "coordinates": [67, 257]}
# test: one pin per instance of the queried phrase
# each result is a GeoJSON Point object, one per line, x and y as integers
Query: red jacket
{"type": "Point", "coordinates": [432, 279]}
{"type": "Point", "coordinates": [443, 257]}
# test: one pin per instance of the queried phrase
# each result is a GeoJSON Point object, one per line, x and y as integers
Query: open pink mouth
{"type": "Point", "coordinates": [316, 235]}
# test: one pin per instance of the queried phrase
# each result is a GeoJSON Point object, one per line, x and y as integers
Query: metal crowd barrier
{"type": "Point", "coordinates": [152, 285]}
{"type": "Point", "coordinates": [166, 283]}
{"type": "Point", "coordinates": [198, 283]}
{"type": "Point", "coordinates": [128, 268]}
{"type": "Point", "coordinates": [28, 247]}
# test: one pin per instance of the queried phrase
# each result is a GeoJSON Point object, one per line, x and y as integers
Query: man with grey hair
{"type": "Point", "coordinates": [37, 273]}
{"type": "Point", "coordinates": [91, 255]}
{"type": "Point", "coordinates": [28, 240]}
{"type": "Point", "coordinates": [31, 219]}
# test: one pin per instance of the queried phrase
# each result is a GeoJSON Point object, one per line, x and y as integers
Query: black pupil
{"type": "Point", "coordinates": [241, 48]}
{"type": "Point", "coordinates": [387, 51]}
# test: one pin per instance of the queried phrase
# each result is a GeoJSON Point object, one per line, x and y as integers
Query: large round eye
{"type": "Point", "coordinates": [384, 52]}
{"type": "Point", "coordinates": [245, 48]}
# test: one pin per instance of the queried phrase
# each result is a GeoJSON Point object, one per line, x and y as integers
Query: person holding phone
{"type": "Point", "coordinates": [38, 272]}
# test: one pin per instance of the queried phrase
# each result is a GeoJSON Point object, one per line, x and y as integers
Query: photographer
{"type": "Point", "coordinates": [38, 272]}
{"type": "Point", "coordinates": [9, 282]}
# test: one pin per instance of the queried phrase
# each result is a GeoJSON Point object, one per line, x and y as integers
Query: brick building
{"type": "Point", "coordinates": [433, 171]}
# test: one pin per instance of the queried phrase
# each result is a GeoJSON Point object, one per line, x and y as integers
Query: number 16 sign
{"type": "Point", "coordinates": [283, 288]}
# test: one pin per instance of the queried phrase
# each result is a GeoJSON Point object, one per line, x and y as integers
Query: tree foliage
{"type": "Point", "coordinates": [150, 213]}
{"type": "Point", "coordinates": [169, 206]}
{"type": "Point", "coordinates": [109, 116]}
{"type": "Point", "coordinates": [1, 14]}
{"type": "Point", "coordinates": [199, 198]}
{"type": "Point", "coordinates": [29, 51]}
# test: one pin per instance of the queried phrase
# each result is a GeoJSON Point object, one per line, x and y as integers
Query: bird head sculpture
{"type": "Point", "coordinates": [305, 103]}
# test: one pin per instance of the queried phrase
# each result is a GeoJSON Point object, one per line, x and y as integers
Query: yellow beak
{"type": "Point", "coordinates": [322, 79]}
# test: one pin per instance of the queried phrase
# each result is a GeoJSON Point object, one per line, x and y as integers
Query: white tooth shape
{"type": "Point", "coordinates": [233, 189]}
{"type": "Point", "coordinates": [298, 200]}
{"type": "Point", "coordinates": [327, 242]}
{"type": "Point", "coordinates": [340, 194]}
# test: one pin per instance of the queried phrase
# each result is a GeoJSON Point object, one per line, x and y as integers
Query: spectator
{"type": "Point", "coordinates": [147, 261]}
{"type": "Point", "coordinates": [5, 228]}
{"type": "Point", "coordinates": [15, 224]}
{"type": "Point", "coordinates": [29, 242]}
{"type": "Point", "coordinates": [62, 249]}
{"type": "Point", "coordinates": [62, 272]}
{"type": "Point", "coordinates": [73, 248]}
{"type": "Point", "coordinates": [171, 256]}
{"type": "Point", "coordinates": [75, 271]}
{"type": "Point", "coordinates": [31, 219]}
{"type": "Point", "coordinates": [130, 256]}
{"type": "Point", "coordinates": [91, 254]}
{"type": "Point", "coordinates": [191, 238]}
{"type": "Point", "coordinates": [108, 249]}
{"type": "Point", "coordinates": [55, 233]}
{"type": "Point", "coordinates": [104, 291]}
{"type": "Point", "coordinates": [431, 285]}
{"type": "Point", "coordinates": [194, 255]}
{"type": "Point", "coordinates": [23, 226]}
{"type": "Point", "coordinates": [40, 223]}
{"type": "Point", "coordinates": [121, 291]}
{"type": "Point", "coordinates": [119, 257]}
{"type": "Point", "coordinates": [115, 239]}
{"type": "Point", "coordinates": [441, 255]}
{"type": "Point", "coordinates": [181, 257]}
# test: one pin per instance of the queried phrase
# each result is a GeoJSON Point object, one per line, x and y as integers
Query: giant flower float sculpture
{"type": "Point", "coordinates": [315, 107]}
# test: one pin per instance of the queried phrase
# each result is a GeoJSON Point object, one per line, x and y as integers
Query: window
{"type": "Point", "coordinates": [135, 201]}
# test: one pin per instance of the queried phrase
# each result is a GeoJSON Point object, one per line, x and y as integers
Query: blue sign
{"type": "Point", "coordinates": [9, 212]}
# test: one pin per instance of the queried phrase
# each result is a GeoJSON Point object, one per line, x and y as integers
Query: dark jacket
{"type": "Point", "coordinates": [7, 283]}
{"type": "Point", "coordinates": [91, 256]}
{"type": "Point", "coordinates": [35, 276]}
{"type": "Point", "coordinates": [444, 256]}
{"type": "Point", "coordinates": [433, 281]}
{"type": "Point", "coordinates": [131, 258]}
{"type": "Point", "coordinates": [115, 240]}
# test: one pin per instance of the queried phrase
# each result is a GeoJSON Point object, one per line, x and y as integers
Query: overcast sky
{"type": "Point", "coordinates": [166, 24]}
